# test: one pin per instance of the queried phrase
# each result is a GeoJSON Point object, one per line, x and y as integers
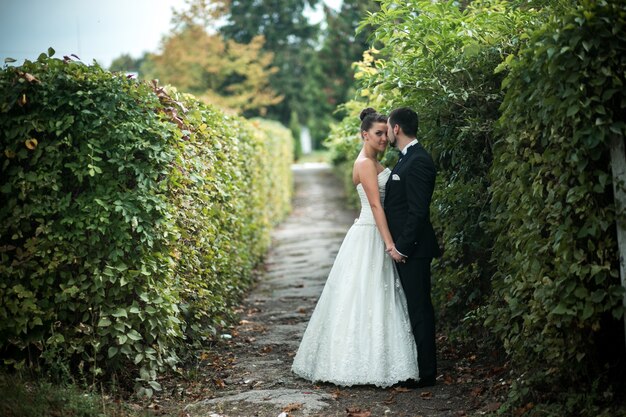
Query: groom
{"type": "Point", "coordinates": [407, 200]}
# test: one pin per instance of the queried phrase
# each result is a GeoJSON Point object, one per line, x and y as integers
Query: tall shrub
{"type": "Point", "coordinates": [441, 59]}
{"type": "Point", "coordinates": [553, 210]}
{"type": "Point", "coordinates": [231, 185]}
{"type": "Point", "coordinates": [129, 217]}
{"type": "Point", "coordinates": [85, 229]}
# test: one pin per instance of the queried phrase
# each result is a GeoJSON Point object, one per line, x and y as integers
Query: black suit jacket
{"type": "Point", "coordinates": [407, 204]}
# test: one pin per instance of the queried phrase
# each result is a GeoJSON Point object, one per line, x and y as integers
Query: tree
{"type": "Point", "coordinates": [126, 63]}
{"type": "Point", "coordinates": [204, 13]}
{"type": "Point", "coordinates": [344, 44]}
{"type": "Point", "coordinates": [222, 72]}
{"type": "Point", "coordinates": [289, 36]}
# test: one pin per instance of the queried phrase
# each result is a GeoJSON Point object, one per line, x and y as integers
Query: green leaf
{"type": "Point", "coordinates": [572, 110]}
{"type": "Point", "coordinates": [112, 351]}
{"type": "Point", "coordinates": [104, 322]}
{"type": "Point", "coordinates": [562, 309]}
{"type": "Point", "coordinates": [134, 335]}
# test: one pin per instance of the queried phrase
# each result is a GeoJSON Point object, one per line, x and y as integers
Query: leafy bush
{"type": "Point", "coordinates": [85, 230]}
{"type": "Point", "coordinates": [106, 181]}
{"type": "Point", "coordinates": [553, 208]}
{"type": "Point", "coordinates": [524, 204]}
{"type": "Point", "coordinates": [232, 184]}
{"type": "Point", "coordinates": [442, 63]}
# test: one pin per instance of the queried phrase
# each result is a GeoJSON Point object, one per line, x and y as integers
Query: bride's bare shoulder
{"type": "Point", "coordinates": [362, 168]}
{"type": "Point", "coordinates": [364, 163]}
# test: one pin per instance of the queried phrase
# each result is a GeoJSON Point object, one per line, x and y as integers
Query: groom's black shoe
{"type": "Point", "coordinates": [422, 383]}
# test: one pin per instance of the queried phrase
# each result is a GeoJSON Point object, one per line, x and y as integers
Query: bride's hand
{"type": "Point", "coordinates": [389, 247]}
{"type": "Point", "coordinates": [393, 252]}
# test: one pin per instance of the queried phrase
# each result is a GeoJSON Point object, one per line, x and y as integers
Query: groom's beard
{"type": "Point", "coordinates": [394, 142]}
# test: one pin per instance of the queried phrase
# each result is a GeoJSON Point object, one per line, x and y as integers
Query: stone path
{"type": "Point", "coordinates": [275, 315]}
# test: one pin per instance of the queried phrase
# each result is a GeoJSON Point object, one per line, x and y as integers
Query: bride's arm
{"type": "Point", "coordinates": [369, 178]}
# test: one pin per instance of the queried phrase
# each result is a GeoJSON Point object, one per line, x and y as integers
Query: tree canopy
{"type": "Point", "coordinates": [222, 72]}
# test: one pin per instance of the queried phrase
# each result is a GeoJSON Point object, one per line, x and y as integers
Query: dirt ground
{"type": "Point", "coordinates": [251, 366]}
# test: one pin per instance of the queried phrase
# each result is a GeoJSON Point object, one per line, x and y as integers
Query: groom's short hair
{"type": "Point", "coordinates": [406, 118]}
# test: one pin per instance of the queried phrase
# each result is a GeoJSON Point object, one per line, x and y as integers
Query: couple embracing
{"type": "Point", "coordinates": [374, 321]}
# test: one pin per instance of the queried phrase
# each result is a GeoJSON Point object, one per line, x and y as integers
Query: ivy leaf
{"type": "Point", "coordinates": [104, 322]}
{"type": "Point", "coordinates": [112, 351]}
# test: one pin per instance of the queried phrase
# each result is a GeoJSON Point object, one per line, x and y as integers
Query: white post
{"type": "Point", "coordinates": [618, 168]}
{"type": "Point", "coordinates": [305, 140]}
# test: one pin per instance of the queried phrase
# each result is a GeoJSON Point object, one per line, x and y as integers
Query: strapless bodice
{"type": "Point", "coordinates": [366, 217]}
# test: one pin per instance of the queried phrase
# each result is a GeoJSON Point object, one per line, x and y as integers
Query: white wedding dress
{"type": "Point", "coordinates": [360, 332]}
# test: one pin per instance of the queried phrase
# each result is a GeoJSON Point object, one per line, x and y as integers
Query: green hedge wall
{"type": "Point", "coordinates": [130, 217]}
{"type": "Point", "coordinates": [553, 208]}
{"type": "Point", "coordinates": [445, 63]}
{"type": "Point", "coordinates": [517, 105]}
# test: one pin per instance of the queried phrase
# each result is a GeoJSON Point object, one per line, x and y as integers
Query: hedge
{"type": "Point", "coordinates": [517, 105]}
{"type": "Point", "coordinates": [557, 293]}
{"type": "Point", "coordinates": [131, 217]}
{"type": "Point", "coordinates": [443, 63]}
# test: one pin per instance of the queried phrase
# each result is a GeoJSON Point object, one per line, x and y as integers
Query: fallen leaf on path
{"type": "Point", "coordinates": [302, 310]}
{"type": "Point", "coordinates": [391, 399]}
{"type": "Point", "coordinates": [522, 410]}
{"type": "Point", "coordinates": [357, 412]}
{"type": "Point", "coordinates": [476, 391]}
{"type": "Point", "coordinates": [267, 349]}
{"type": "Point", "coordinates": [448, 380]}
{"type": "Point", "coordinates": [336, 394]}
{"type": "Point", "coordinates": [491, 407]}
{"type": "Point", "coordinates": [496, 370]}
{"type": "Point", "coordinates": [292, 407]}
{"type": "Point", "coordinates": [426, 394]}
{"type": "Point", "coordinates": [401, 389]}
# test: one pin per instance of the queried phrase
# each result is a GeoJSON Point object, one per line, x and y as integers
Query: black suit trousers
{"type": "Point", "coordinates": [415, 278]}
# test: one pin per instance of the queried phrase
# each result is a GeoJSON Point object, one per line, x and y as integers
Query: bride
{"type": "Point", "coordinates": [360, 332]}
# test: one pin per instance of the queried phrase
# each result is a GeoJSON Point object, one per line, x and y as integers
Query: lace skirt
{"type": "Point", "coordinates": [359, 332]}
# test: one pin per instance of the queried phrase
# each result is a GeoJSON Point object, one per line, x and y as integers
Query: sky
{"type": "Point", "coordinates": [92, 29]}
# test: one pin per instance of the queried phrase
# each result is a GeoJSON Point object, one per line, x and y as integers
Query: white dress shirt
{"type": "Point", "coordinates": [411, 143]}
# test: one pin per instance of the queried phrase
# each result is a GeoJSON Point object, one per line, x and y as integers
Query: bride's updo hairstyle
{"type": "Point", "coordinates": [368, 117]}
